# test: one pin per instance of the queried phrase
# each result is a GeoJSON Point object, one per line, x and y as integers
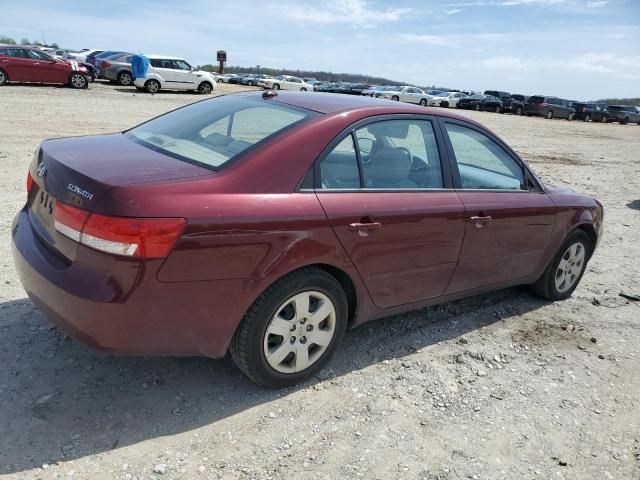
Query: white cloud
{"type": "Point", "coordinates": [453, 11]}
{"type": "Point", "coordinates": [354, 12]}
{"type": "Point", "coordinates": [456, 41]}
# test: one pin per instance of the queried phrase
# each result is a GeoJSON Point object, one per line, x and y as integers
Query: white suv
{"type": "Point", "coordinates": [286, 82]}
{"type": "Point", "coordinates": [173, 73]}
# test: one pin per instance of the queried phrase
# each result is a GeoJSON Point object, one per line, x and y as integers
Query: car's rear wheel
{"type": "Point", "coordinates": [549, 115]}
{"type": "Point", "coordinates": [125, 79]}
{"type": "Point", "coordinates": [478, 107]}
{"type": "Point", "coordinates": [445, 104]}
{"type": "Point", "coordinates": [571, 116]}
{"type": "Point", "coordinates": [292, 329]}
{"type": "Point", "coordinates": [624, 121]}
{"type": "Point", "coordinates": [276, 86]}
{"type": "Point", "coordinates": [303, 89]}
{"type": "Point", "coordinates": [587, 118]}
{"type": "Point", "coordinates": [395, 98]}
{"type": "Point", "coordinates": [563, 274]}
{"type": "Point", "coordinates": [423, 102]}
{"type": "Point", "coordinates": [220, 80]}
{"type": "Point", "coordinates": [4, 78]}
{"type": "Point", "coordinates": [152, 86]}
{"type": "Point", "coordinates": [205, 88]}
{"type": "Point", "coordinates": [498, 109]}
{"type": "Point", "coordinates": [604, 119]}
{"type": "Point", "coordinates": [78, 80]}
{"type": "Point", "coordinates": [519, 111]}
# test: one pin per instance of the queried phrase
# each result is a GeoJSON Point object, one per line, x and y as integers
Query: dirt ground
{"type": "Point", "coordinates": [500, 386]}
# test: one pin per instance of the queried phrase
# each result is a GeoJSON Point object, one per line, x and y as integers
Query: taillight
{"type": "Point", "coordinates": [29, 182]}
{"type": "Point", "coordinates": [130, 237]}
{"type": "Point", "coordinates": [104, 64]}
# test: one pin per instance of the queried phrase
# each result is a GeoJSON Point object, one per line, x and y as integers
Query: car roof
{"type": "Point", "coordinates": [163, 57]}
{"type": "Point", "coordinates": [333, 103]}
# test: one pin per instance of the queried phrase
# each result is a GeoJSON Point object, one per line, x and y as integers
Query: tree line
{"type": "Point", "coordinates": [25, 41]}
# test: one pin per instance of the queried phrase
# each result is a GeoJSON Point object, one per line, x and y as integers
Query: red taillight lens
{"type": "Point", "coordinates": [131, 237]}
{"type": "Point", "coordinates": [104, 64]}
{"type": "Point", "coordinates": [29, 182]}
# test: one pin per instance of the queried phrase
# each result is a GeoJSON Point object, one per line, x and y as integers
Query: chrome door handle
{"type": "Point", "coordinates": [363, 229]}
{"type": "Point", "coordinates": [37, 63]}
{"type": "Point", "coordinates": [480, 221]}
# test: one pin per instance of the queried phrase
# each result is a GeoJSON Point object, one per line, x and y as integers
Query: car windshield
{"type": "Point", "coordinates": [213, 132]}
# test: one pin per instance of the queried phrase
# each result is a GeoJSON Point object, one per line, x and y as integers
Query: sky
{"type": "Point", "coordinates": [578, 49]}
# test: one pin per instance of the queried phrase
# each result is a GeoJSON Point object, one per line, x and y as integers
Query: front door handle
{"type": "Point", "coordinates": [363, 229]}
{"type": "Point", "coordinates": [480, 220]}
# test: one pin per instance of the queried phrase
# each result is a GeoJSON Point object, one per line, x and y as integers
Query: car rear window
{"type": "Point", "coordinates": [615, 108]}
{"type": "Point", "coordinates": [214, 132]}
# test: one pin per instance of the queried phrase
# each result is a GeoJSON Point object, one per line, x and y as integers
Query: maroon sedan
{"type": "Point", "coordinates": [266, 224]}
{"type": "Point", "coordinates": [30, 65]}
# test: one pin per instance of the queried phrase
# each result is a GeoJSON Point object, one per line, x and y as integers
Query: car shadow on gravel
{"type": "Point", "coordinates": [634, 205]}
{"type": "Point", "coordinates": [61, 401]}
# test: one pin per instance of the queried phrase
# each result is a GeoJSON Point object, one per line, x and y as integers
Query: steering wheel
{"type": "Point", "coordinates": [406, 150]}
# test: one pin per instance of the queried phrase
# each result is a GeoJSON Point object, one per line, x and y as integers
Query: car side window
{"type": "Point", "coordinates": [482, 163]}
{"type": "Point", "coordinates": [339, 168]}
{"type": "Point", "coordinates": [181, 65]}
{"type": "Point", "coordinates": [403, 155]}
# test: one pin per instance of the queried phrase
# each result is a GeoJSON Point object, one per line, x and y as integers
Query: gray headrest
{"type": "Point", "coordinates": [389, 165]}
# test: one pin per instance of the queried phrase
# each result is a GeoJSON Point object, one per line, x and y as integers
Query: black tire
{"type": "Point", "coordinates": [247, 345]}
{"type": "Point", "coordinates": [444, 104]}
{"type": "Point", "coordinates": [125, 79]}
{"type": "Point", "coordinates": [604, 119]}
{"type": "Point", "coordinates": [477, 108]}
{"type": "Point", "coordinates": [587, 118]}
{"type": "Point", "coordinates": [250, 83]}
{"type": "Point", "coordinates": [220, 80]}
{"type": "Point", "coordinates": [78, 80]}
{"type": "Point", "coordinates": [624, 121]}
{"type": "Point", "coordinates": [423, 102]}
{"type": "Point", "coordinates": [571, 116]}
{"type": "Point", "coordinates": [549, 115]}
{"type": "Point", "coordinates": [4, 78]}
{"type": "Point", "coordinates": [152, 86]}
{"type": "Point", "coordinates": [545, 286]}
{"type": "Point", "coordinates": [395, 98]}
{"type": "Point", "coordinates": [519, 111]}
{"type": "Point", "coordinates": [303, 89]}
{"type": "Point", "coordinates": [205, 88]}
{"type": "Point", "coordinates": [276, 86]}
{"type": "Point", "coordinates": [499, 109]}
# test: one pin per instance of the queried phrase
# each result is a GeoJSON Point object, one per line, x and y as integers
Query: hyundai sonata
{"type": "Point", "coordinates": [266, 224]}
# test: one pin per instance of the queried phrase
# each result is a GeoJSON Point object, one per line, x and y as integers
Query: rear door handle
{"type": "Point", "coordinates": [363, 229]}
{"type": "Point", "coordinates": [480, 220]}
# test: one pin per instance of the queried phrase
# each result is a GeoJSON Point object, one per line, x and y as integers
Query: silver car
{"type": "Point", "coordinates": [116, 68]}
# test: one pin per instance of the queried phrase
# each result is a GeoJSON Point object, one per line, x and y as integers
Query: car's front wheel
{"type": "Point", "coordinates": [563, 274]}
{"type": "Point", "coordinates": [205, 88]}
{"type": "Point", "coordinates": [78, 80]}
{"type": "Point", "coordinates": [423, 102]}
{"type": "Point", "coordinates": [292, 329]}
{"type": "Point", "coordinates": [549, 115]}
{"type": "Point", "coordinates": [571, 116]}
{"type": "Point", "coordinates": [587, 118]}
{"type": "Point", "coordinates": [519, 111]}
{"type": "Point", "coordinates": [303, 89]}
{"type": "Point", "coordinates": [604, 119]}
{"type": "Point", "coordinates": [125, 79]}
{"type": "Point", "coordinates": [152, 86]}
{"type": "Point", "coordinates": [395, 98]}
{"type": "Point", "coordinates": [3, 77]}
{"type": "Point", "coordinates": [478, 107]}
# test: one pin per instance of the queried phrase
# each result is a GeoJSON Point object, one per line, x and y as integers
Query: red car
{"type": "Point", "coordinates": [30, 65]}
{"type": "Point", "coordinates": [265, 224]}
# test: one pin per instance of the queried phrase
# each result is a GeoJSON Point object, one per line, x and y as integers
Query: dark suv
{"type": "Point", "coordinates": [590, 111]}
{"type": "Point", "coordinates": [549, 107]}
{"type": "Point", "coordinates": [517, 103]}
{"type": "Point", "coordinates": [623, 114]}
{"type": "Point", "coordinates": [504, 96]}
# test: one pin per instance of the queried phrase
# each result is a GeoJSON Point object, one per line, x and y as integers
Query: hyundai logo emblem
{"type": "Point", "coordinates": [42, 169]}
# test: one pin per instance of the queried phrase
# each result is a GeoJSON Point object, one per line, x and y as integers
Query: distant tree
{"type": "Point", "coordinates": [25, 41]}
{"type": "Point", "coordinates": [55, 45]}
{"type": "Point", "coordinates": [621, 101]}
{"type": "Point", "coordinates": [7, 40]}
{"type": "Point", "coordinates": [37, 43]}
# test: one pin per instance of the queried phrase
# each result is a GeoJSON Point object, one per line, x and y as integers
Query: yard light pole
{"type": "Point", "coordinates": [222, 57]}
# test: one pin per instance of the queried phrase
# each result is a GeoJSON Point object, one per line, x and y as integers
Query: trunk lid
{"type": "Point", "coordinates": [80, 171]}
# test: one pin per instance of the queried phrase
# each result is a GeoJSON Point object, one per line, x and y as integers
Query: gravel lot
{"type": "Point", "coordinates": [500, 386]}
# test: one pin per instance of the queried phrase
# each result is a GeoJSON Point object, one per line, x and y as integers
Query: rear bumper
{"type": "Point", "coordinates": [118, 305]}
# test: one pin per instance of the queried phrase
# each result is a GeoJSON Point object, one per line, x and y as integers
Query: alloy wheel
{"type": "Point", "coordinates": [125, 79]}
{"type": "Point", "coordinates": [3, 78]}
{"type": "Point", "coordinates": [570, 267]}
{"type": "Point", "coordinates": [78, 80]}
{"type": "Point", "coordinates": [299, 332]}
